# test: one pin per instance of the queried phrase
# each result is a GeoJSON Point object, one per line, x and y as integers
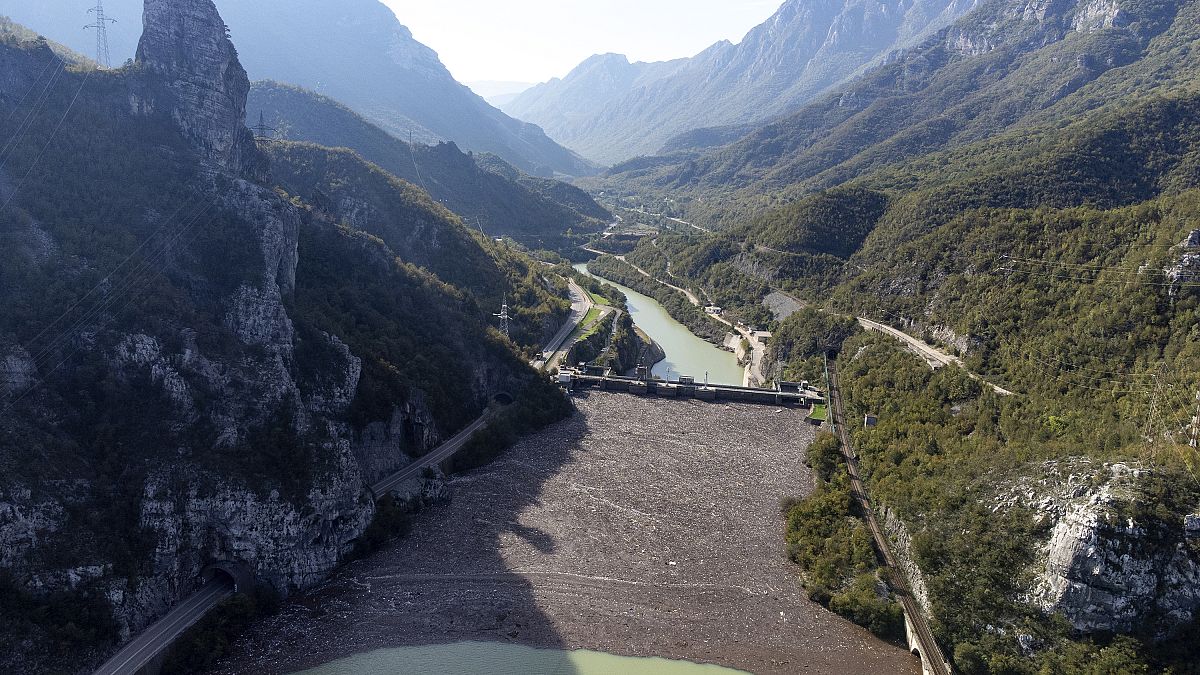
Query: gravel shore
{"type": "Point", "coordinates": [638, 527]}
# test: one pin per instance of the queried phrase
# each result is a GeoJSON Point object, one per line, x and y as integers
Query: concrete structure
{"type": "Point", "coordinates": [687, 387]}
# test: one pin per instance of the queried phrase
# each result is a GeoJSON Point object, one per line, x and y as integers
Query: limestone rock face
{"type": "Point", "coordinates": [1107, 572]}
{"type": "Point", "coordinates": [199, 81]}
{"type": "Point", "coordinates": [285, 544]}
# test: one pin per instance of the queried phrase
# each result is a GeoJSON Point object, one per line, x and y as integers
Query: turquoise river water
{"type": "Point", "coordinates": [686, 353]}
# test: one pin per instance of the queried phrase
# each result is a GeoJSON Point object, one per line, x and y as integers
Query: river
{"type": "Point", "coordinates": [686, 353]}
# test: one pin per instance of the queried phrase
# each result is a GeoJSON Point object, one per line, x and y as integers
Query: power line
{"type": "Point", "coordinates": [1084, 267]}
{"type": "Point", "coordinates": [1096, 280]}
{"type": "Point", "coordinates": [1073, 367]}
{"type": "Point", "coordinates": [104, 304]}
{"type": "Point", "coordinates": [53, 135]}
{"type": "Point", "coordinates": [135, 276]}
{"type": "Point", "coordinates": [1195, 441]}
{"type": "Point", "coordinates": [101, 28]}
{"type": "Point", "coordinates": [412, 153]}
{"type": "Point", "coordinates": [32, 85]}
{"type": "Point", "coordinates": [27, 123]}
{"type": "Point", "coordinates": [107, 277]}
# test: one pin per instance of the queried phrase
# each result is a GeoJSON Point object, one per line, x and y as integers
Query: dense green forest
{"type": "Point", "coordinates": [1030, 202]}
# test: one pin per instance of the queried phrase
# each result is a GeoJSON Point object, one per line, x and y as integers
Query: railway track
{"type": "Point", "coordinates": [932, 657]}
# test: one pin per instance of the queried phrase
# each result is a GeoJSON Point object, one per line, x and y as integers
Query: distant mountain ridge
{"type": "Point", "coordinates": [1008, 65]}
{"type": "Point", "coordinates": [609, 109]}
{"type": "Point", "coordinates": [485, 190]}
{"type": "Point", "coordinates": [356, 51]}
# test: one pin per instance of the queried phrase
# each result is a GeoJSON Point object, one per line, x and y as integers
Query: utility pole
{"type": "Point", "coordinates": [262, 132]}
{"type": "Point", "coordinates": [101, 27]}
{"type": "Point", "coordinates": [504, 317]}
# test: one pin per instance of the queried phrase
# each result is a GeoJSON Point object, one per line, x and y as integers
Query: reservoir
{"type": "Point", "coordinates": [495, 658]}
{"type": "Point", "coordinates": [686, 353]}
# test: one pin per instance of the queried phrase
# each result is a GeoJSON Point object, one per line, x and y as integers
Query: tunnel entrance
{"type": "Point", "coordinates": [504, 398]}
{"type": "Point", "coordinates": [236, 573]}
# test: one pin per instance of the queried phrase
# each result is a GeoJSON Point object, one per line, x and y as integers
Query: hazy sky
{"type": "Point", "coordinates": [535, 40]}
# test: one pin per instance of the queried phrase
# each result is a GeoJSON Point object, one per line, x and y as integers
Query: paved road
{"type": "Point", "coordinates": [934, 357]}
{"type": "Point", "coordinates": [145, 647]}
{"type": "Point", "coordinates": [437, 456]}
{"type": "Point", "coordinates": [581, 304]}
{"type": "Point", "coordinates": [931, 653]}
{"type": "Point", "coordinates": [159, 636]}
{"type": "Point", "coordinates": [155, 639]}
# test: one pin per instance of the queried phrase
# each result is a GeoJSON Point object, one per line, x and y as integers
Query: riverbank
{"type": "Point", "coordinates": [692, 315]}
{"type": "Point", "coordinates": [638, 527]}
{"type": "Point", "coordinates": [686, 353]}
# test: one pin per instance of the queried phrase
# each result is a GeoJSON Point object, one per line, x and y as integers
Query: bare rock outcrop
{"type": "Point", "coordinates": [197, 80]}
{"type": "Point", "coordinates": [1108, 567]}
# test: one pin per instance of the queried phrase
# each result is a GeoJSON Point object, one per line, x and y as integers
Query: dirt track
{"type": "Point", "coordinates": [639, 527]}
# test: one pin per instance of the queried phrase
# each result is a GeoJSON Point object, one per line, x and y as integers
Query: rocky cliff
{"type": "Point", "coordinates": [353, 50]}
{"type": "Point", "coordinates": [226, 392]}
{"type": "Point", "coordinates": [196, 78]}
{"type": "Point", "coordinates": [1111, 564]}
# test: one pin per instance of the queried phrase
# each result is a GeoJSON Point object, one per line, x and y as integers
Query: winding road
{"type": "Point", "coordinates": [151, 642]}
{"type": "Point", "coordinates": [933, 356]}
{"type": "Point", "coordinates": [581, 304]}
{"type": "Point", "coordinates": [155, 639]}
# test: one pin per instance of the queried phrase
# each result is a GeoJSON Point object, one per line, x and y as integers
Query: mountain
{"type": "Point", "coordinates": [199, 363]}
{"type": "Point", "coordinates": [484, 189]}
{"type": "Point", "coordinates": [1022, 190]}
{"type": "Point", "coordinates": [356, 52]}
{"type": "Point", "coordinates": [610, 110]}
{"type": "Point", "coordinates": [1000, 69]}
{"type": "Point", "coordinates": [498, 93]}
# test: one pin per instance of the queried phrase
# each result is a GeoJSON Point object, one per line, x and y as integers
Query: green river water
{"type": "Point", "coordinates": [686, 353]}
{"type": "Point", "coordinates": [494, 658]}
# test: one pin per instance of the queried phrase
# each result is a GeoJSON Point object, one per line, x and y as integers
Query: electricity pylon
{"type": "Point", "coordinates": [101, 27]}
{"type": "Point", "coordinates": [504, 317]}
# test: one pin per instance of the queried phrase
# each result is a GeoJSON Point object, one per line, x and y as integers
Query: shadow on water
{"type": "Point", "coordinates": [452, 581]}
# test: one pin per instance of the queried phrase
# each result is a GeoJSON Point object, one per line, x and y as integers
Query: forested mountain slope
{"type": "Point", "coordinates": [484, 189]}
{"type": "Point", "coordinates": [611, 110]}
{"type": "Point", "coordinates": [196, 365]}
{"type": "Point", "coordinates": [998, 68]}
{"type": "Point", "coordinates": [1030, 201]}
{"type": "Point", "coordinates": [355, 51]}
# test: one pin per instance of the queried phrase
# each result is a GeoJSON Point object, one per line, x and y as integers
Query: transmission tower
{"type": "Point", "coordinates": [262, 132]}
{"type": "Point", "coordinates": [101, 27]}
{"type": "Point", "coordinates": [504, 317]}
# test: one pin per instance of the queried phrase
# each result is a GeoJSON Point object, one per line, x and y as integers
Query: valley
{"type": "Point", "coordinates": [311, 351]}
{"type": "Point", "coordinates": [638, 527]}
